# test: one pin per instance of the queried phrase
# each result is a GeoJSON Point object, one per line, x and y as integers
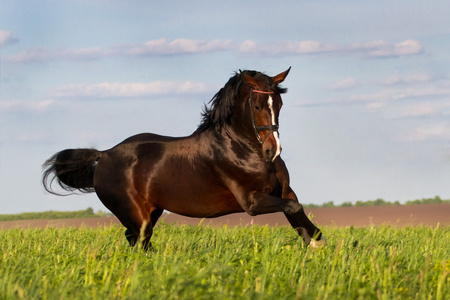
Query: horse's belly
{"type": "Point", "coordinates": [191, 194]}
{"type": "Point", "coordinates": [198, 203]}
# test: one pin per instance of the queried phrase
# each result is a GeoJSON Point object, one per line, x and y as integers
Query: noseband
{"type": "Point", "coordinates": [258, 128]}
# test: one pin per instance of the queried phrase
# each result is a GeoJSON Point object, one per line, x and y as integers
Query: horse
{"type": "Point", "coordinates": [231, 163]}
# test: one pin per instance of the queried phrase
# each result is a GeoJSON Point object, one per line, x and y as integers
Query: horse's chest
{"type": "Point", "coordinates": [272, 186]}
{"type": "Point", "coordinates": [264, 180]}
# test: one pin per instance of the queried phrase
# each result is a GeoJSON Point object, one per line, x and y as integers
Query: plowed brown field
{"type": "Point", "coordinates": [360, 216]}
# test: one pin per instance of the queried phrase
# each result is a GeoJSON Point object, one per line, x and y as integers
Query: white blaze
{"type": "Point", "coordinates": [275, 134]}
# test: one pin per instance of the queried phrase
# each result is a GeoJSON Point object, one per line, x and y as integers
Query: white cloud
{"type": "Point", "coordinates": [408, 47]}
{"type": "Point", "coordinates": [346, 83]}
{"type": "Point", "coordinates": [401, 93]}
{"type": "Point", "coordinates": [248, 46]}
{"type": "Point", "coordinates": [438, 132]}
{"type": "Point", "coordinates": [419, 110]}
{"type": "Point", "coordinates": [39, 54]}
{"type": "Point", "coordinates": [380, 96]}
{"type": "Point", "coordinates": [428, 91]}
{"type": "Point", "coordinates": [31, 55]}
{"type": "Point", "coordinates": [374, 49]}
{"type": "Point", "coordinates": [387, 49]}
{"type": "Point", "coordinates": [188, 46]}
{"type": "Point", "coordinates": [129, 90]}
{"type": "Point", "coordinates": [421, 95]}
{"type": "Point", "coordinates": [6, 106]}
{"type": "Point", "coordinates": [288, 48]}
{"type": "Point", "coordinates": [83, 53]}
{"type": "Point", "coordinates": [414, 78]}
{"type": "Point", "coordinates": [177, 46]}
{"type": "Point", "coordinates": [426, 109]}
{"type": "Point", "coordinates": [6, 38]}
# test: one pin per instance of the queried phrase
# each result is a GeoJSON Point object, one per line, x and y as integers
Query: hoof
{"type": "Point", "coordinates": [318, 243]}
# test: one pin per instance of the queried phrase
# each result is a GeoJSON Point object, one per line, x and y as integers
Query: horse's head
{"type": "Point", "coordinates": [249, 103]}
{"type": "Point", "coordinates": [264, 104]}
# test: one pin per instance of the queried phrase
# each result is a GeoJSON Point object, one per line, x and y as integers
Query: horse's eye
{"type": "Point", "coordinates": [257, 107]}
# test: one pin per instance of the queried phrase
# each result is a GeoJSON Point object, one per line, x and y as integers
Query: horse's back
{"type": "Point", "coordinates": [148, 137]}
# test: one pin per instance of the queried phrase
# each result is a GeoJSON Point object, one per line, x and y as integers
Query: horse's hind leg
{"type": "Point", "coordinates": [117, 189]}
{"type": "Point", "coordinates": [137, 215]}
{"type": "Point", "coordinates": [141, 230]}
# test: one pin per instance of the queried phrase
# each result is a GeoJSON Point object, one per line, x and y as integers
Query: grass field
{"type": "Point", "coordinates": [194, 262]}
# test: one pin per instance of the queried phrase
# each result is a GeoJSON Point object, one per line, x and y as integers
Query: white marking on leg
{"type": "Point", "coordinates": [275, 134]}
{"type": "Point", "coordinates": [322, 242]}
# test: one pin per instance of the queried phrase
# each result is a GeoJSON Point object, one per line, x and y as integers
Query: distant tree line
{"type": "Point", "coordinates": [378, 202]}
{"type": "Point", "coordinates": [87, 213]}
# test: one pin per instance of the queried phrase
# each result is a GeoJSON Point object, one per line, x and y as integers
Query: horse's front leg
{"type": "Point", "coordinates": [301, 223]}
{"type": "Point", "coordinates": [260, 203]}
{"type": "Point", "coordinates": [298, 219]}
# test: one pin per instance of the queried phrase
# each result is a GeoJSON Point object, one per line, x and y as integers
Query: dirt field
{"type": "Point", "coordinates": [405, 215]}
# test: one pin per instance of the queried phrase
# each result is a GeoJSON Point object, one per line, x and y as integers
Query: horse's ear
{"type": "Point", "coordinates": [280, 77]}
{"type": "Point", "coordinates": [249, 80]}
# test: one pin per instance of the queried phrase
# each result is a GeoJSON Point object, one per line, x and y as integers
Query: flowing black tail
{"type": "Point", "coordinates": [73, 169]}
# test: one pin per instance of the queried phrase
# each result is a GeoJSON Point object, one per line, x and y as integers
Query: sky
{"type": "Point", "coordinates": [367, 114]}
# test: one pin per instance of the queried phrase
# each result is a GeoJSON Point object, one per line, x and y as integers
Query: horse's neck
{"type": "Point", "coordinates": [229, 145]}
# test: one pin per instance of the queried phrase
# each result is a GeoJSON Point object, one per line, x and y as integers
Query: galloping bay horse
{"type": "Point", "coordinates": [230, 164]}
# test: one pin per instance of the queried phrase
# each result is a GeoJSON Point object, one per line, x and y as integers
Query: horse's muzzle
{"type": "Point", "coordinates": [271, 147]}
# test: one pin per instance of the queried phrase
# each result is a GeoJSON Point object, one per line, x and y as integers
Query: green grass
{"type": "Point", "coordinates": [190, 262]}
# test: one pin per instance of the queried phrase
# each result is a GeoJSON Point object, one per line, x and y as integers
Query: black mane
{"type": "Point", "coordinates": [220, 108]}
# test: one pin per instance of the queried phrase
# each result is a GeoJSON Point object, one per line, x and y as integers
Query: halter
{"type": "Point", "coordinates": [258, 128]}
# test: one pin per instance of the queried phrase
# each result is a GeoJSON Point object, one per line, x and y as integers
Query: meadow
{"type": "Point", "coordinates": [202, 262]}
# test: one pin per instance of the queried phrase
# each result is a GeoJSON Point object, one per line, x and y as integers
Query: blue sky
{"type": "Point", "coordinates": [367, 114]}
